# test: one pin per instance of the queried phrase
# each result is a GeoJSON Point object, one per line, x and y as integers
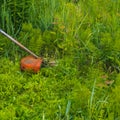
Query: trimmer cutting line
{"type": "Point", "coordinates": [32, 62]}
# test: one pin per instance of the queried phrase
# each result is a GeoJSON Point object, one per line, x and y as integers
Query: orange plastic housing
{"type": "Point", "coordinates": [30, 63]}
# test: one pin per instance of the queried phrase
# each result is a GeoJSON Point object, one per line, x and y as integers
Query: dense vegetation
{"type": "Point", "coordinates": [83, 37]}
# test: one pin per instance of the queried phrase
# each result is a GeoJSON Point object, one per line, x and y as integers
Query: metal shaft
{"type": "Point", "coordinates": [19, 44]}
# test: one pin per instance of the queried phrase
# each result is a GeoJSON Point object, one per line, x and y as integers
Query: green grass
{"type": "Point", "coordinates": [83, 37]}
{"type": "Point", "coordinates": [56, 93]}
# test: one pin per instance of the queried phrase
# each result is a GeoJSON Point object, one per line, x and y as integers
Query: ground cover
{"type": "Point", "coordinates": [83, 38]}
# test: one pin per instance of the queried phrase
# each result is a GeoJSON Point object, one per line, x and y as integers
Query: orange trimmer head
{"type": "Point", "coordinates": [29, 63]}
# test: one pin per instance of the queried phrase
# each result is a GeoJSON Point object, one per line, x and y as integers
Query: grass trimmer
{"type": "Point", "coordinates": [29, 63]}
